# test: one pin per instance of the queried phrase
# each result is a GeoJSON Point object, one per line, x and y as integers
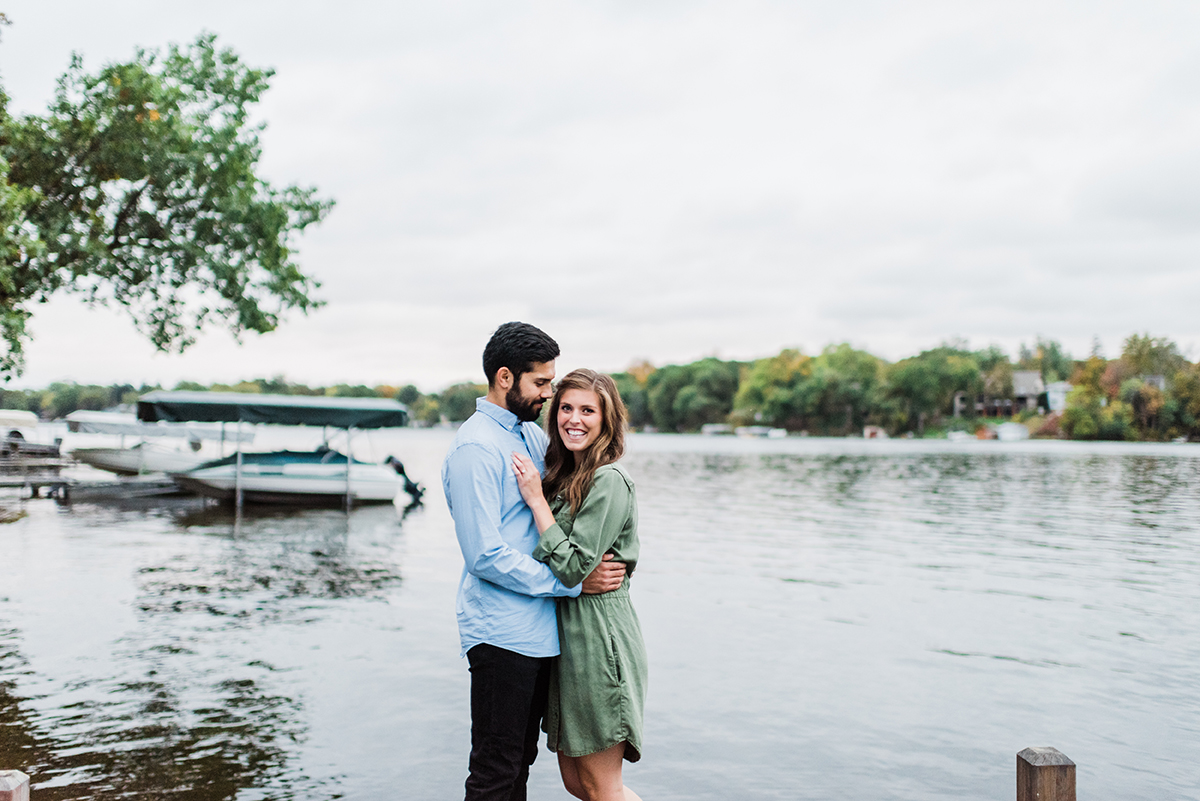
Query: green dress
{"type": "Point", "coordinates": [598, 684]}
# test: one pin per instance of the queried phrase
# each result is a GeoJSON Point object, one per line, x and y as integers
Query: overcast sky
{"type": "Point", "coordinates": [671, 180]}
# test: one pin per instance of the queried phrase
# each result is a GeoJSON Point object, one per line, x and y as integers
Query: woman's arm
{"type": "Point", "coordinates": [529, 480]}
{"type": "Point", "coordinates": [596, 526]}
{"type": "Point", "coordinates": [605, 574]}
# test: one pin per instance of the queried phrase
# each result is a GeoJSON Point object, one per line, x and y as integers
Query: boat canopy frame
{"type": "Point", "coordinates": [287, 410]}
{"type": "Point", "coordinates": [284, 410]}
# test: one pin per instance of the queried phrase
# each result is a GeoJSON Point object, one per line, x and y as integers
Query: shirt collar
{"type": "Point", "coordinates": [502, 416]}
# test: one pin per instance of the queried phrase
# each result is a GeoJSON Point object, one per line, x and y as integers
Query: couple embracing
{"type": "Point", "coordinates": [547, 523]}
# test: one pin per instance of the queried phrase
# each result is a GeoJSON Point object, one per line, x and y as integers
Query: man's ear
{"type": "Point", "coordinates": [504, 378]}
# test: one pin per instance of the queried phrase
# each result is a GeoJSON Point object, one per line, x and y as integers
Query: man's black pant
{"type": "Point", "coordinates": [508, 700]}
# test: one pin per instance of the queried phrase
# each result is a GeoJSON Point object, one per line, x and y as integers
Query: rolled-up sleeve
{"type": "Point", "coordinates": [596, 527]}
{"type": "Point", "coordinates": [474, 494]}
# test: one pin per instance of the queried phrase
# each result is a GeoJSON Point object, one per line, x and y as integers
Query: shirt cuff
{"type": "Point", "coordinates": [549, 541]}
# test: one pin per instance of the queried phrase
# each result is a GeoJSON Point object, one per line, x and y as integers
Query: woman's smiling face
{"type": "Point", "coordinates": [579, 419]}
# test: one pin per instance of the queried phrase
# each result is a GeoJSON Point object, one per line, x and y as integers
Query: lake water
{"type": "Point", "coordinates": [825, 619]}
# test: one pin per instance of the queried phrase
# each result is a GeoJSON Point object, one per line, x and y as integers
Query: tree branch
{"type": "Point", "coordinates": [126, 209]}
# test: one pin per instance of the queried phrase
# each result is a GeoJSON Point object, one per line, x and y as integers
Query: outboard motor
{"type": "Point", "coordinates": [414, 490]}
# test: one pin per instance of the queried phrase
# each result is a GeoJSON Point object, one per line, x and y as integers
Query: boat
{"type": "Point", "coordinates": [1011, 432]}
{"type": "Point", "coordinates": [321, 476]}
{"type": "Point", "coordinates": [14, 444]}
{"type": "Point", "coordinates": [26, 462]}
{"type": "Point", "coordinates": [139, 459]}
{"type": "Point", "coordinates": [145, 457]}
{"type": "Point", "coordinates": [316, 478]}
{"type": "Point", "coordinates": [766, 432]}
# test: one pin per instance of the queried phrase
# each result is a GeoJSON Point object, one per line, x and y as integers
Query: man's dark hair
{"type": "Point", "coordinates": [517, 346]}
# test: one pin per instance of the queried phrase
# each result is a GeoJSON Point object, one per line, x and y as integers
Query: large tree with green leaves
{"type": "Point", "coordinates": [924, 386]}
{"type": "Point", "coordinates": [685, 397]}
{"type": "Point", "coordinates": [776, 391]}
{"type": "Point", "coordinates": [139, 188]}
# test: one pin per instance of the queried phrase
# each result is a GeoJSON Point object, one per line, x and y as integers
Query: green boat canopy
{"type": "Point", "coordinates": [285, 410]}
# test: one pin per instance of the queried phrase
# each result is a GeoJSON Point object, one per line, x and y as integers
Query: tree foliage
{"type": "Point", "coordinates": [1048, 358]}
{"type": "Point", "coordinates": [772, 392]}
{"type": "Point", "coordinates": [138, 188]}
{"type": "Point", "coordinates": [923, 387]}
{"type": "Point", "coordinates": [1146, 355]}
{"type": "Point", "coordinates": [834, 392]}
{"type": "Point", "coordinates": [685, 397]}
{"type": "Point", "coordinates": [631, 384]}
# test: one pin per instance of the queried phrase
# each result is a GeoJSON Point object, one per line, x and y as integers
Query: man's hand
{"type": "Point", "coordinates": [607, 577]}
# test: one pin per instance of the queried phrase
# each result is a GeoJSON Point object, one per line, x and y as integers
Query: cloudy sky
{"type": "Point", "coordinates": [670, 180]}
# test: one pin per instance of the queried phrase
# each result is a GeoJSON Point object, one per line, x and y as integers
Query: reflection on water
{"type": "Point", "coordinates": [181, 716]}
{"type": "Point", "coordinates": [936, 608]}
{"type": "Point", "coordinates": [825, 619]}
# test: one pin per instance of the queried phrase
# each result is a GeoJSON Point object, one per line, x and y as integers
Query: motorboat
{"type": "Point", "coordinates": [1012, 432]}
{"type": "Point", "coordinates": [14, 444]}
{"type": "Point", "coordinates": [321, 477]}
{"type": "Point", "coordinates": [23, 456]}
{"type": "Point", "coordinates": [140, 459]}
{"type": "Point", "coordinates": [766, 432]}
{"type": "Point", "coordinates": [146, 456]}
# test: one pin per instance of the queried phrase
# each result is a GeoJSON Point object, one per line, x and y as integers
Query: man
{"type": "Point", "coordinates": [505, 607]}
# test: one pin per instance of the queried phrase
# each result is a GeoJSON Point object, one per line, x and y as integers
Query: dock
{"type": "Point", "coordinates": [147, 486]}
{"type": "Point", "coordinates": [47, 480]}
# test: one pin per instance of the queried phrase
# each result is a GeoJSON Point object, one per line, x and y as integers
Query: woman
{"type": "Point", "coordinates": [598, 686]}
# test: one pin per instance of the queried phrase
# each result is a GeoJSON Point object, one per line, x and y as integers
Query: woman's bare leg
{"type": "Point", "coordinates": [569, 770]}
{"type": "Point", "coordinates": [600, 775]}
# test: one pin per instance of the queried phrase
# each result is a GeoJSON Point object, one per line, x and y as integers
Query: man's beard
{"type": "Point", "coordinates": [526, 409]}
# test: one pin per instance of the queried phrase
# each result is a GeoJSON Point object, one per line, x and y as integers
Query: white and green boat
{"type": "Point", "coordinates": [323, 476]}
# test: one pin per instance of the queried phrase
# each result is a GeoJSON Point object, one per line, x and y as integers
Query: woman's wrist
{"type": "Point", "coordinates": [539, 504]}
{"type": "Point", "coordinates": [543, 518]}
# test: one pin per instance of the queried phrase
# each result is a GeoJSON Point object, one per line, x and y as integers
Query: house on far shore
{"type": "Point", "coordinates": [1056, 395]}
{"type": "Point", "coordinates": [1159, 382]}
{"type": "Point", "coordinates": [1027, 386]}
{"type": "Point", "coordinates": [1029, 392]}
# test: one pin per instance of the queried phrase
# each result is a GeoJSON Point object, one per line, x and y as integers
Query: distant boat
{"type": "Point", "coordinates": [1011, 432]}
{"type": "Point", "coordinates": [144, 457]}
{"type": "Point", "coordinates": [14, 443]}
{"type": "Point", "coordinates": [316, 477]}
{"type": "Point", "coordinates": [761, 431]}
{"type": "Point", "coordinates": [141, 458]}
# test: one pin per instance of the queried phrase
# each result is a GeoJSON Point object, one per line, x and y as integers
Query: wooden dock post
{"type": "Point", "coordinates": [1045, 774]}
{"type": "Point", "coordinates": [14, 786]}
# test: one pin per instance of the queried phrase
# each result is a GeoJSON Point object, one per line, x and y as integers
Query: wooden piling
{"type": "Point", "coordinates": [14, 786]}
{"type": "Point", "coordinates": [1045, 774]}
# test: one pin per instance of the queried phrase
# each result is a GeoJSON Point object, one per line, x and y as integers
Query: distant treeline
{"type": "Point", "coordinates": [1150, 392]}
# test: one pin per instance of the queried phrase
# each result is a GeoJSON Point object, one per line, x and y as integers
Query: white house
{"type": "Point", "coordinates": [1056, 395]}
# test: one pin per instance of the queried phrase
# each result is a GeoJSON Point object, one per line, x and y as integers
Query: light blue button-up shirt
{"type": "Point", "coordinates": [505, 597]}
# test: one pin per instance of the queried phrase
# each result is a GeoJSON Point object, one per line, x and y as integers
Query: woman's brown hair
{"type": "Point", "coordinates": [569, 474]}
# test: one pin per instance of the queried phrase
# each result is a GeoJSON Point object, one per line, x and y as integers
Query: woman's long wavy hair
{"type": "Point", "coordinates": [569, 474]}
